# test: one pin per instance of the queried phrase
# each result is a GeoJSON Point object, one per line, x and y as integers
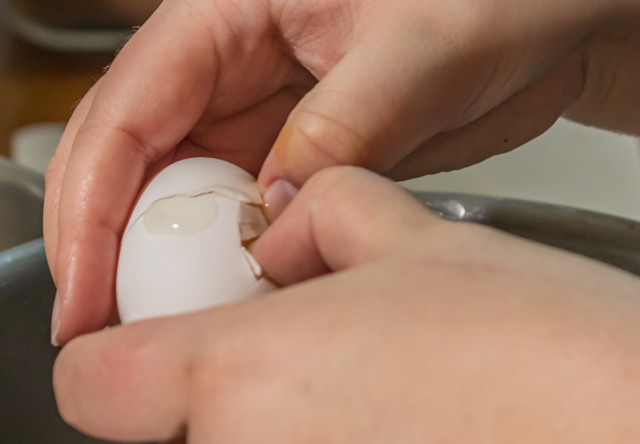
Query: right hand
{"type": "Point", "coordinates": [428, 332]}
{"type": "Point", "coordinates": [407, 87]}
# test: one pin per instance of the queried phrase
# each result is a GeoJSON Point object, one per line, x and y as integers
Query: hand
{"type": "Point", "coordinates": [407, 88]}
{"type": "Point", "coordinates": [429, 331]}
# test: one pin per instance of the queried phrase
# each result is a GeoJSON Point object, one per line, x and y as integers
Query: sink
{"type": "Point", "coordinates": [21, 205]}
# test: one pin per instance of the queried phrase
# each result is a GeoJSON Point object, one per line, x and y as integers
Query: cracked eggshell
{"type": "Point", "coordinates": [182, 250]}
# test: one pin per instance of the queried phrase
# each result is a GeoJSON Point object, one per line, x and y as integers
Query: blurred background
{"type": "Point", "coordinates": [52, 51]}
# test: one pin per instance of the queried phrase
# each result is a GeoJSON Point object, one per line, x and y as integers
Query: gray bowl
{"type": "Point", "coordinates": [609, 239]}
{"type": "Point", "coordinates": [28, 413]}
{"type": "Point", "coordinates": [21, 201]}
{"type": "Point", "coordinates": [27, 407]}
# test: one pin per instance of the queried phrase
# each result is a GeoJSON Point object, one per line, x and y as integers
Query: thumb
{"type": "Point", "coordinates": [374, 99]}
{"type": "Point", "coordinates": [342, 218]}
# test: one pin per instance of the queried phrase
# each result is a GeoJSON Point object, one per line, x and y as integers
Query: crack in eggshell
{"type": "Point", "coordinates": [218, 190]}
{"type": "Point", "coordinates": [180, 270]}
{"type": "Point", "coordinates": [255, 268]}
{"type": "Point", "coordinates": [181, 216]}
{"type": "Point", "coordinates": [252, 222]}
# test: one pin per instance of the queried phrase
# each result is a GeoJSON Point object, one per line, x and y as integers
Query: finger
{"type": "Point", "coordinates": [374, 111]}
{"type": "Point", "coordinates": [343, 217]}
{"type": "Point", "coordinates": [242, 139]}
{"type": "Point", "coordinates": [277, 198]}
{"type": "Point", "coordinates": [132, 123]}
{"type": "Point", "coordinates": [515, 122]}
{"type": "Point", "coordinates": [128, 383]}
{"type": "Point", "coordinates": [55, 173]}
{"type": "Point", "coordinates": [245, 137]}
{"type": "Point", "coordinates": [367, 104]}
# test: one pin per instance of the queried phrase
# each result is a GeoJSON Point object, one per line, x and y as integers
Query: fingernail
{"type": "Point", "coordinates": [55, 321]}
{"type": "Point", "coordinates": [277, 198]}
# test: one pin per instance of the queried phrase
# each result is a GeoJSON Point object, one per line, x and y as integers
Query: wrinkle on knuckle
{"type": "Point", "coordinates": [601, 71]}
{"type": "Point", "coordinates": [220, 372]}
{"type": "Point", "coordinates": [115, 136]}
{"type": "Point", "coordinates": [216, 369]}
{"type": "Point", "coordinates": [329, 139]}
{"type": "Point", "coordinates": [146, 151]}
{"type": "Point", "coordinates": [318, 31]}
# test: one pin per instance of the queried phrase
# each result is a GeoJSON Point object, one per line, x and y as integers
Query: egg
{"type": "Point", "coordinates": [185, 246]}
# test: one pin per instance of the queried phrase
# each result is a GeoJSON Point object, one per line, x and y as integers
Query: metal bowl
{"type": "Point", "coordinates": [83, 14]}
{"type": "Point", "coordinates": [609, 239]}
{"type": "Point", "coordinates": [28, 413]}
{"type": "Point", "coordinates": [75, 25]}
{"type": "Point", "coordinates": [21, 203]}
{"type": "Point", "coordinates": [27, 407]}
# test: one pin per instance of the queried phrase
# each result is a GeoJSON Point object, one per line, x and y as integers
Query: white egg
{"type": "Point", "coordinates": [184, 247]}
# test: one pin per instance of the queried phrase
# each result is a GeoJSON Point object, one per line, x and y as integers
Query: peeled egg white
{"type": "Point", "coordinates": [182, 250]}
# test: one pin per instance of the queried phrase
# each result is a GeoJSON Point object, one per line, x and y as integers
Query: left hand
{"type": "Point", "coordinates": [427, 331]}
{"type": "Point", "coordinates": [403, 88]}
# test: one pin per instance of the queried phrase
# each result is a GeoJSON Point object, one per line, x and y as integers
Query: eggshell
{"type": "Point", "coordinates": [213, 206]}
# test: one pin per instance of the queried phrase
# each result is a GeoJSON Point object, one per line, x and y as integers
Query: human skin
{"type": "Point", "coordinates": [425, 331]}
{"type": "Point", "coordinates": [406, 88]}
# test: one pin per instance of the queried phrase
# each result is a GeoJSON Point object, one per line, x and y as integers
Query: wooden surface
{"type": "Point", "coordinates": [41, 86]}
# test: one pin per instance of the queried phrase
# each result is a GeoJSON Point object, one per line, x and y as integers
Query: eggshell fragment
{"type": "Point", "coordinates": [183, 250]}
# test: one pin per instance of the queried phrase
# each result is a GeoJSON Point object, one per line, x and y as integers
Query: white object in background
{"type": "Point", "coordinates": [33, 146]}
{"type": "Point", "coordinates": [570, 165]}
{"type": "Point", "coordinates": [184, 247]}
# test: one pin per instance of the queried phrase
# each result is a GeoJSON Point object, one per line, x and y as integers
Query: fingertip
{"type": "Point", "coordinates": [73, 317]}
{"type": "Point", "coordinates": [55, 321]}
{"type": "Point", "coordinates": [269, 173]}
{"type": "Point", "coordinates": [277, 197]}
{"type": "Point", "coordinates": [292, 159]}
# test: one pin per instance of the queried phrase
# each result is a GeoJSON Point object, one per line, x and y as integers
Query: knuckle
{"type": "Point", "coordinates": [246, 356]}
{"type": "Point", "coordinates": [330, 139]}
{"type": "Point", "coordinates": [210, 370]}
{"type": "Point", "coordinates": [219, 369]}
{"type": "Point", "coordinates": [113, 135]}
